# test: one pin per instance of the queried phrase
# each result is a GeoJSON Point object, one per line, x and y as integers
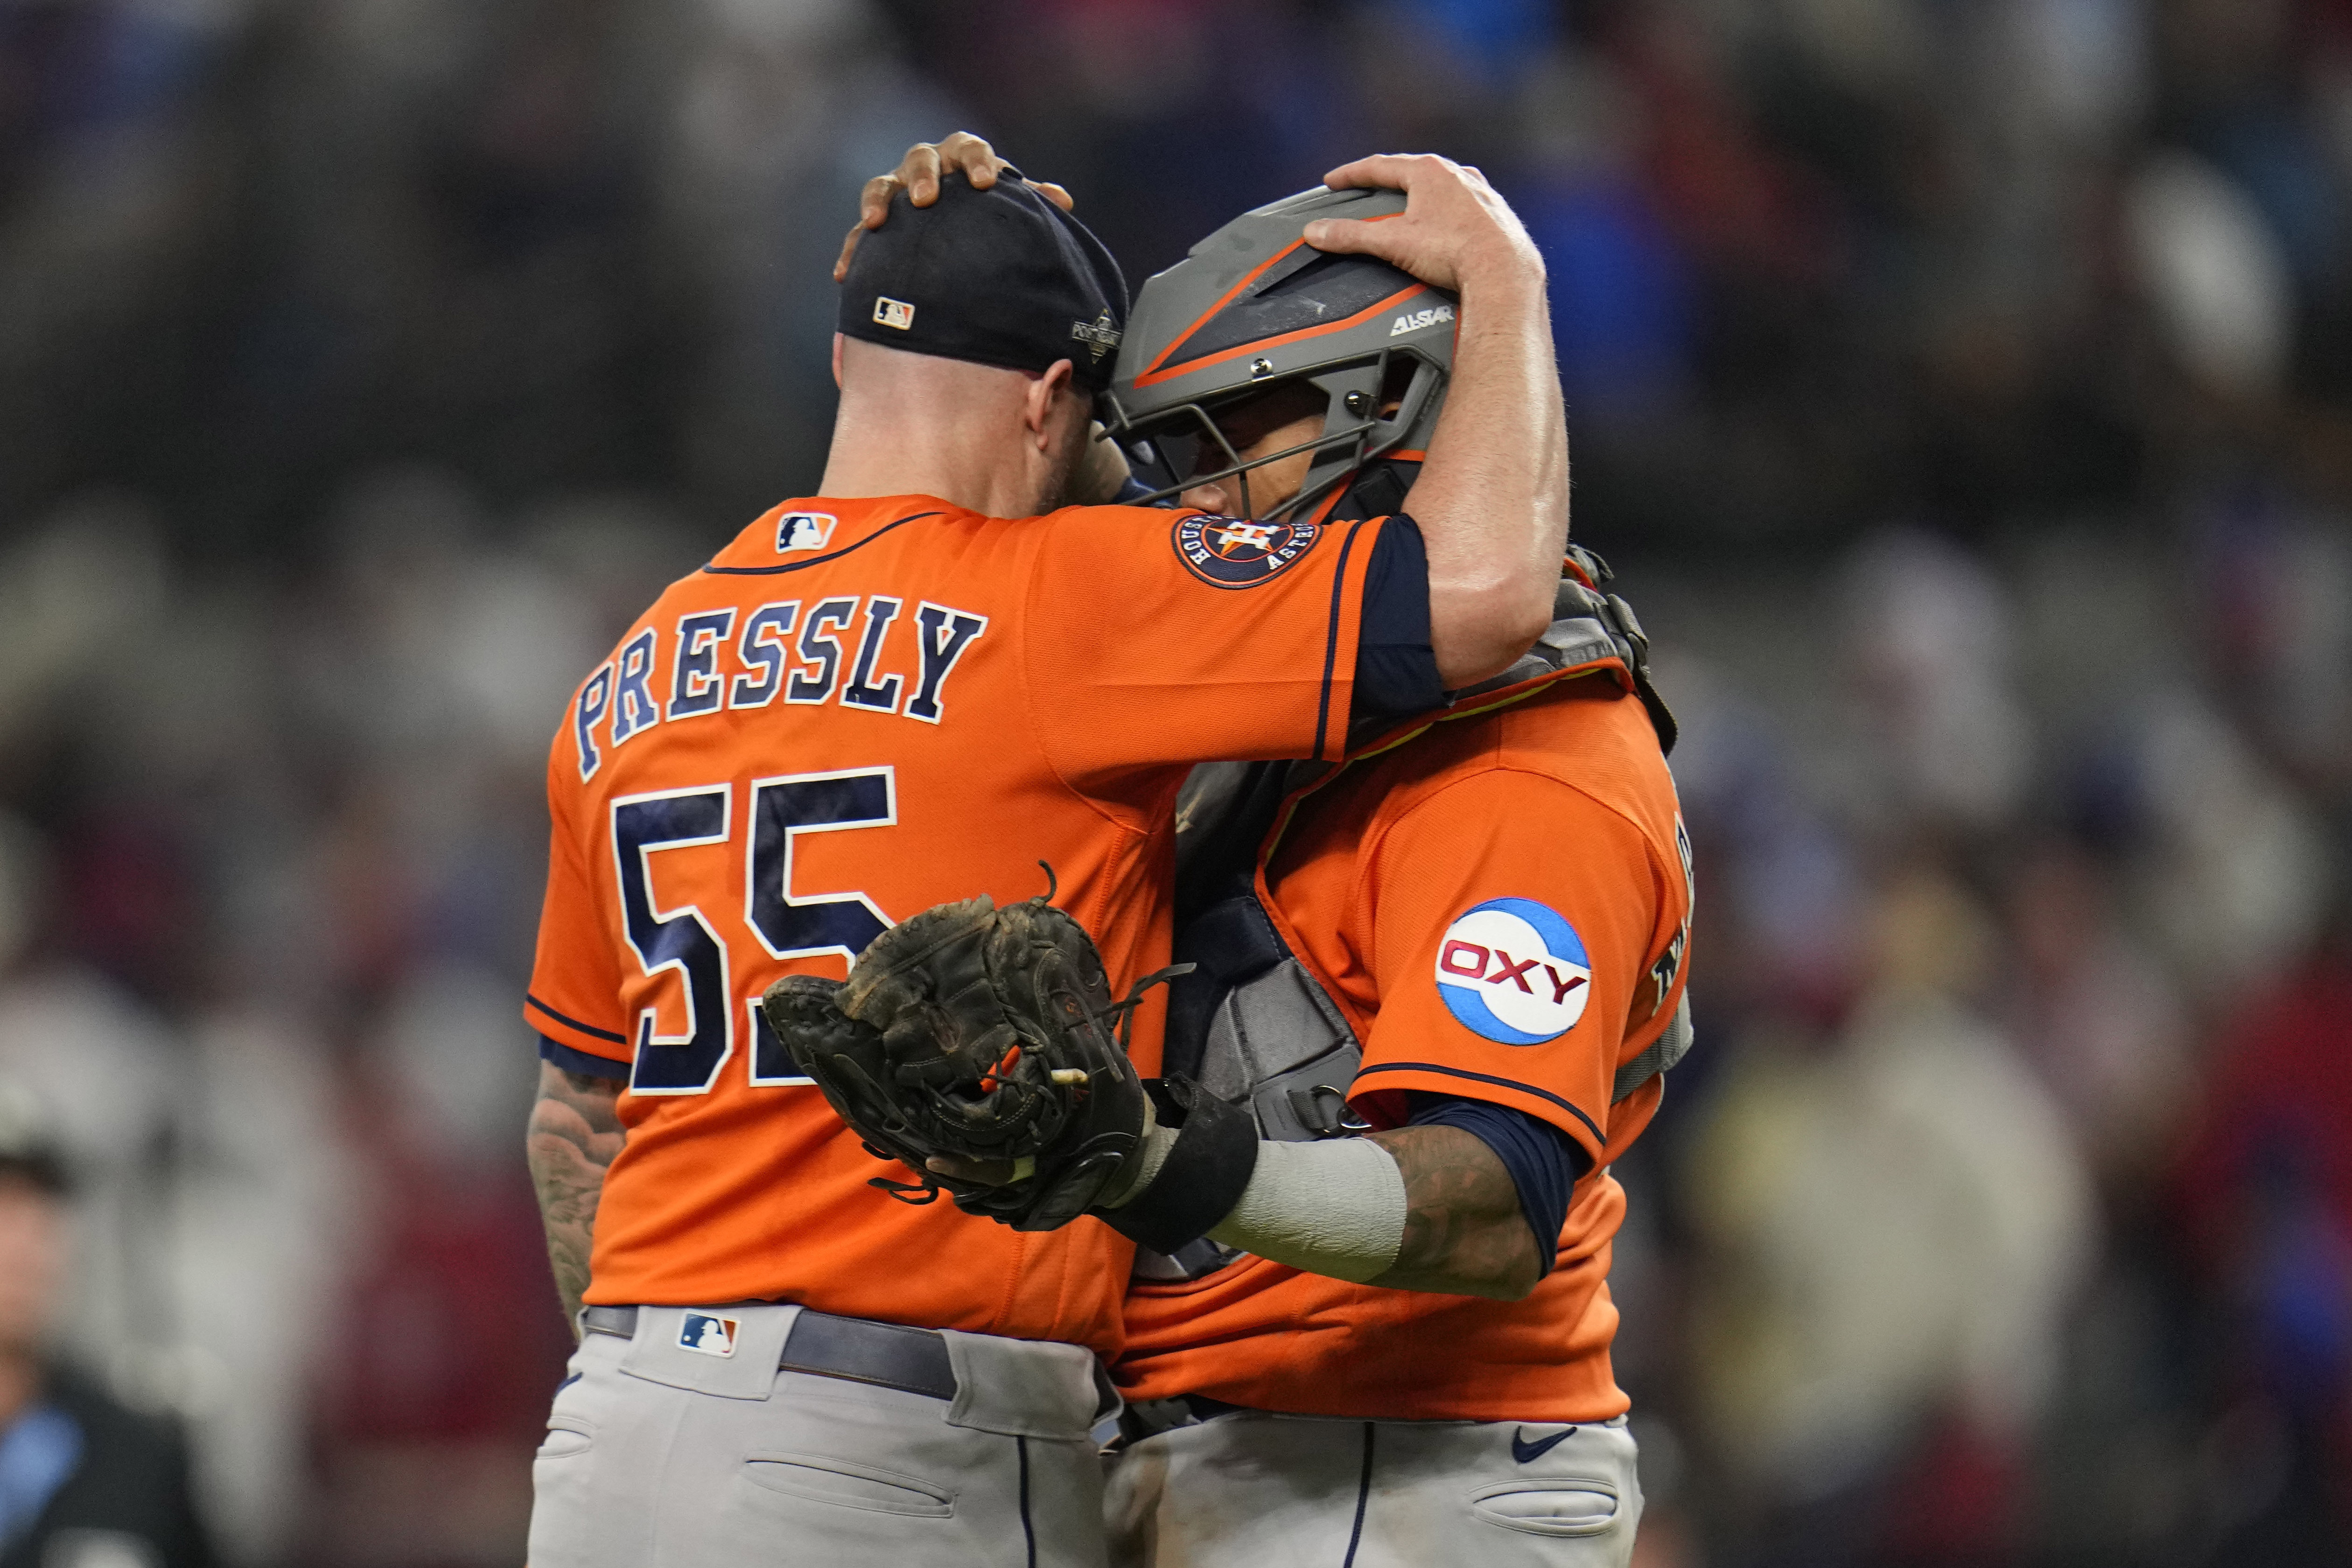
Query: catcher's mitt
{"type": "Point", "coordinates": [982, 1033]}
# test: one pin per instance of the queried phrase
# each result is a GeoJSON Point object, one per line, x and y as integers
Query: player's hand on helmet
{"type": "Point", "coordinates": [1455, 227]}
{"type": "Point", "coordinates": [918, 174]}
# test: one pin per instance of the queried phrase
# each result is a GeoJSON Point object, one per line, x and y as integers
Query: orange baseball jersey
{"type": "Point", "coordinates": [1500, 906]}
{"type": "Point", "coordinates": [859, 709]}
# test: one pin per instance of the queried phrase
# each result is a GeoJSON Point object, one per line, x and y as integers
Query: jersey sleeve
{"type": "Point", "coordinates": [1158, 638]}
{"type": "Point", "coordinates": [574, 999]}
{"type": "Point", "coordinates": [1517, 924]}
{"type": "Point", "coordinates": [1396, 660]}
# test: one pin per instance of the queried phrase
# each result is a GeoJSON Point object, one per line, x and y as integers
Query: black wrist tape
{"type": "Point", "coordinates": [1214, 1154]}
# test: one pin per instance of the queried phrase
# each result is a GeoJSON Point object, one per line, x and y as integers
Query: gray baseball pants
{"type": "Point", "coordinates": [685, 1445]}
{"type": "Point", "coordinates": [1249, 1489]}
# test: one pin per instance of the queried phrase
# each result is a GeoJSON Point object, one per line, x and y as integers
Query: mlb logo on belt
{"type": "Point", "coordinates": [1515, 971]}
{"type": "Point", "coordinates": [709, 1335]}
{"type": "Point", "coordinates": [804, 530]}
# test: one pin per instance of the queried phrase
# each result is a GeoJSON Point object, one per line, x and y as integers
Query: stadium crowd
{"type": "Point", "coordinates": [1963, 393]}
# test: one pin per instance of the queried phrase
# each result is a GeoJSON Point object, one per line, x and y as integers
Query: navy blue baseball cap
{"type": "Point", "coordinates": [1000, 276]}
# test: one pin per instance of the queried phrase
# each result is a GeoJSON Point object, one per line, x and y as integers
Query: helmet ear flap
{"type": "Point", "coordinates": [1394, 448]}
{"type": "Point", "coordinates": [1417, 405]}
{"type": "Point", "coordinates": [1352, 413]}
{"type": "Point", "coordinates": [1358, 394]}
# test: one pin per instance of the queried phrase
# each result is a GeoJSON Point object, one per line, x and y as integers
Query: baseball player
{"type": "Point", "coordinates": [1444, 979]}
{"type": "Point", "coordinates": [920, 682]}
{"type": "Point", "coordinates": [1470, 936]}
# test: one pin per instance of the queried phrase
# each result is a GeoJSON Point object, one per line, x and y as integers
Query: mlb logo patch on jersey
{"type": "Point", "coordinates": [1234, 553]}
{"type": "Point", "coordinates": [804, 530]}
{"type": "Point", "coordinates": [707, 1333]}
{"type": "Point", "coordinates": [892, 312]}
{"type": "Point", "coordinates": [1515, 971]}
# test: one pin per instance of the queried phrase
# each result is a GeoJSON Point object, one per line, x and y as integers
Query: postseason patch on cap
{"type": "Point", "coordinates": [1234, 553]}
{"type": "Point", "coordinates": [1515, 971]}
{"type": "Point", "coordinates": [1100, 335]}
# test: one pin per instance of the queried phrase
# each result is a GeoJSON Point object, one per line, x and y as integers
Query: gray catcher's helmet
{"type": "Point", "coordinates": [1254, 306]}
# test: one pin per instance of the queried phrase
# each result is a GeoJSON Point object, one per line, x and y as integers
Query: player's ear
{"type": "Point", "coordinates": [1038, 408]}
{"type": "Point", "coordinates": [837, 361]}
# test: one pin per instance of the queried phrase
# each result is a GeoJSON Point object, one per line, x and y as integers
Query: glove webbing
{"type": "Point", "coordinates": [926, 1188]}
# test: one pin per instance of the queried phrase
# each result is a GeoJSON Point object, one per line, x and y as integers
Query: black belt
{"type": "Point", "coordinates": [857, 1348]}
{"type": "Point", "coordinates": [1152, 1418]}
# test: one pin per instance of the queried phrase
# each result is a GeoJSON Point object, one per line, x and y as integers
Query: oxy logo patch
{"type": "Point", "coordinates": [1234, 553]}
{"type": "Point", "coordinates": [804, 530]}
{"type": "Point", "coordinates": [708, 1334]}
{"type": "Point", "coordinates": [1515, 971]}
{"type": "Point", "coordinates": [1415, 320]}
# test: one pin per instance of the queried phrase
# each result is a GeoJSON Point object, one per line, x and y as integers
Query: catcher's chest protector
{"type": "Point", "coordinates": [1251, 1023]}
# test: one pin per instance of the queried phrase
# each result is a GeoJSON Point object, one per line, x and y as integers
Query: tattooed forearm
{"type": "Point", "coordinates": [1464, 1233]}
{"type": "Point", "coordinates": [575, 1133]}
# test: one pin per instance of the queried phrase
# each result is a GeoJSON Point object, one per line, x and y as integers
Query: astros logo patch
{"type": "Point", "coordinates": [705, 1333]}
{"type": "Point", "coordinates": [1233, 552]}
{"type": "Point", "coordinates": [804, 530]}
{"type": "Point", "coordinates": [1511, 970]}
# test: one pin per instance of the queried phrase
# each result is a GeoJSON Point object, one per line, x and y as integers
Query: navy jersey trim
{"type": "Point", "coordinates": [1396, 668]}
{"type": "Point", "coordinates": [1332, 640]}
{"type": "Point", "coordinates": [587, 1064]}
{"type": "Point", "coordinates": [587, 1029]}
{"type": "Point", "coordinates": [1543, 1162]}
{"type": "Point", "coordinates": [1544, 1094]}
{"type": "Point", "coordinates": [816, 560]}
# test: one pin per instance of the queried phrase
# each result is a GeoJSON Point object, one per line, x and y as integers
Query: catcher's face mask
{"type": "Point", "coordinates": [1279, 448]}
{"type": "Point", "coordinates": [1256, 450]}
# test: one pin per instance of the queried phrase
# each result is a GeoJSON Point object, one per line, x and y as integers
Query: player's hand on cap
{"type": "Point", "coordinates": [918, 173]}
{"type": "Point", "coordinates": [1455, 227]}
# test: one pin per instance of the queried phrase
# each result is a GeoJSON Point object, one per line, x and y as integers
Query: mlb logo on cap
{"type": "Point", "coordinates": [893, 312]}
{"type": "Point", "coordinates": [708, 1335]}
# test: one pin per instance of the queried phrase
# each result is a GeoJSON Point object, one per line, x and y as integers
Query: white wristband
{"type": "Point", "coordinates": [1334, 1208]}
{"type": "Point", "coordinates": [1152, 1153]}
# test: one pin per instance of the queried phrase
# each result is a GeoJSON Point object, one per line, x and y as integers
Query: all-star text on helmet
{"type": "Point", "coordinates": [1254, 308]}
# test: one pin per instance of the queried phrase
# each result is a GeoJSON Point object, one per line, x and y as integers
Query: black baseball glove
{"type": "Point", "coordinates": [982, 1034]}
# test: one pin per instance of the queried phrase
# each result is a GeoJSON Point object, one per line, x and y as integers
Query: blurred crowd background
{"type": "Point", "coordinates": [1963, 389]}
